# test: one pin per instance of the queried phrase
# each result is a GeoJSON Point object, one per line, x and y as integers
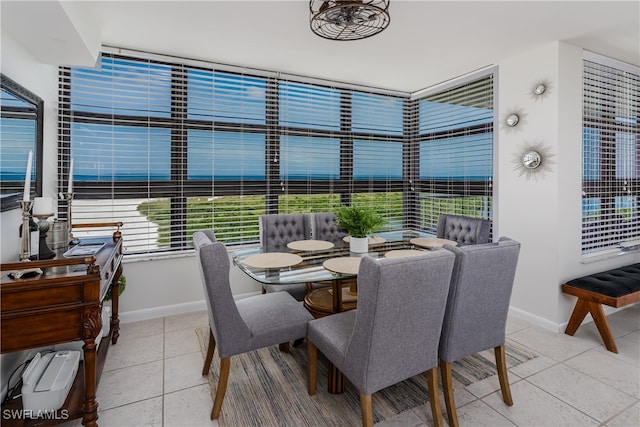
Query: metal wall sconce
{"type": "Point", "coordinates": [533, 160]}
{"type": "Point", "coordinates": [512, 120]}
{"type": "Point", "coordinates": [540, 90]}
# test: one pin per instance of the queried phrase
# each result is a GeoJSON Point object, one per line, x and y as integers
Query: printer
{"type": "Point", "coordinates": [48, 379]}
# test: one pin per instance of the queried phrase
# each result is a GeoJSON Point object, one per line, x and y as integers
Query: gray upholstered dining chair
{"type": "Point", "coordinates": [242, 326]}
{"type": "Point", "coordinates": [276, 230]}
{"type": "Point", "coordinates": [463, 229]}
{"type": "Point", "coordinates": [394, 333]}
{"type": "Point", "coordinates": [325, 228]}
{"type": "Point", "coordinates": [476, 314]}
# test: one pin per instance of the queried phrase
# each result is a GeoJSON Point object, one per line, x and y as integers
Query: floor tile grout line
{"type": "Point", "coordinates": [598, 379]}
{"type": "Point", "coordinates": [553, 397]}
{"type": "Point", "coordinates": [565, 403]}
{"type": "Point", "coordinates": [628, 408]}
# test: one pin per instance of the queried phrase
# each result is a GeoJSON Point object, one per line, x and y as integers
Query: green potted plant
{"type": "Point", "coordinates": [359, 222]}
{"type": "Point", "coordinates": [122, 284]}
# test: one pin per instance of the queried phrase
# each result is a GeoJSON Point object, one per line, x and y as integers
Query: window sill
{"type": "Point", "coordinates": [159, 256]}
{"type": "Point", "coordinates": [609, 254]}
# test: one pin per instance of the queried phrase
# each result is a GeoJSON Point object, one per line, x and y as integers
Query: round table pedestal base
{"type": "Point", "coordinates": [320, 302]}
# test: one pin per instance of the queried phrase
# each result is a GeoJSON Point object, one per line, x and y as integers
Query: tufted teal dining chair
{"type": "Point", "coordinates": [463, 229]}
{"type": "Point", "coordinates": [276, 230]}
{"type": "Point", "coordinates": [245, 325]}
{"type": "Point", "coordinates": [477, 306]}
{"type": "Point", "coordinates": [394, 333]}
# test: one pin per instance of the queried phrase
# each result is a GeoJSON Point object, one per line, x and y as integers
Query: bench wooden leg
{"type": "Point", "coordinates": [597, 312]}
{"type": "Point", "coordinates": [579, 313]}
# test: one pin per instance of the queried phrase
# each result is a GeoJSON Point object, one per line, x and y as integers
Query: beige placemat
{"type": "Point", "coordinates": [432, 242]}
{"type": "Point", "coordinates": [398, 253]}
{"type": "Point", "coordinates": [310, 245]}
{"type": "Point", "coordinates": [373, 240]}
{"type": "Point", "coordinates": [343, 265]}
{"type": "Point", "coordinates": [272, 260]}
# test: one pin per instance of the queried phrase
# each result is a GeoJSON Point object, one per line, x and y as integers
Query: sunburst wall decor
{"type": "Point", "coordinates": [513, 119]}
{"type": "Point", "coordinates": [533, 160]}
{"type": "Point", "coordinates": [540, 90]}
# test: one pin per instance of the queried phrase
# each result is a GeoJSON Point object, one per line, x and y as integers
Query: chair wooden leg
{"type": "Point", "coordinates": [447, 389]}
{"type": "Point", "coordinates": [210, 349]}
{"type": "Point", "coordinates": [225, 365]}
{"type": "Point", "coordinates": [312, 352]}
{"type": "Point", "coordinates": [434, 398]}
{"type": "Point", "coordinates": [367, 410]}
{"type": "Point", "coordinates": [501, 363]}
{"type": "Point", "coordinates": [284, 347]}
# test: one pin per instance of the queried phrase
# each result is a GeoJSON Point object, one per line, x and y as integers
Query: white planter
{"type": "Point", "coordinates": [359, 244]}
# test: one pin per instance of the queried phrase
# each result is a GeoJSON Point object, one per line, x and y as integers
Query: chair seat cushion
{"type": "Point", "coordinates": [296, 290]}
{"type": "Point", "coordinates": [614, 283]}
{"type": "Point", "coordinates": [331, 335]}
{"type": "Point", "coordinates": [273, 318]}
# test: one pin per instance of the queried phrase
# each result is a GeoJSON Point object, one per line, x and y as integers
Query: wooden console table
{"type": "Point", "coordinates": [61, 305]}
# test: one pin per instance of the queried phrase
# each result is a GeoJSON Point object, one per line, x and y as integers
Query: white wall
{"type": "Point", "coordinates": [544, 214]}
{"type": "Point", "coordinates": [171, 285]}
{"type": "Point", "coordinates": [41, 79]}
{"type": "Point", "coordinates": [17, 64]}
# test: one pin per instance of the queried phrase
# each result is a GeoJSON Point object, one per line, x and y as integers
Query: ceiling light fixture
{"type": "Point", "coordinates": [349, 19]}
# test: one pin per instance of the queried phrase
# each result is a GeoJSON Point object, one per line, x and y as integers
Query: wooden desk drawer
{"type": "Point", "coordinates": [42, 297]}
{"type": "Point", "coordinates": [42, 328]}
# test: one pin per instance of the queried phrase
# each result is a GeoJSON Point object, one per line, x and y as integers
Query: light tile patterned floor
{"type": "Point", "coordinates": [152, 378]}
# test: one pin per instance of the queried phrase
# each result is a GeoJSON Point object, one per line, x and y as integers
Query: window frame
{"type": "Point", "coordinates": [606, 187]}
{"type": "Point", "coordinates": [180, 188]}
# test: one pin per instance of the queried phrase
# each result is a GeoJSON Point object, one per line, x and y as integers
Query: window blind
{"type": "Point", "coordinates": [611, 156]}
{"type": "Point", "coordinates": [454, 153]}
{"type": "Point", "coordinates": [169, 148]}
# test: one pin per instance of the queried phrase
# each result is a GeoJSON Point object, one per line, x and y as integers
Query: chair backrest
{"type": "Point", "coordinates": [210, 234]}
{"type": "Point", "coordinates": [479, 296]}
{"type": "Point", "coordinates": [276, 230]}
{"type": "Point", "coordinates": [227, 326]}
{"type": "Point", "coordinates": [398, 321]}
{"type": "Point", "coordinates": [325, 228]}
{"type": "Point", "coordinates": [212, 238]}
{"type": "Point", "coordinates": [463, 229]}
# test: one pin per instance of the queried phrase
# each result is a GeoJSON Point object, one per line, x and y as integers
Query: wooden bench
{"type": "Point", "coordinates": [616, 288]}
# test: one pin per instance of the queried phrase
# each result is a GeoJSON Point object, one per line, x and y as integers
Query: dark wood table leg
{"type": "Point", "coordinates": [337, 295]}
{"type": "Point", "coordinates": [115, 297]}
{"type": "Point", "coordinates": [91, 327]}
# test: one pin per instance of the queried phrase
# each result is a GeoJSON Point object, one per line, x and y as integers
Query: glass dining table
{"type": "Point", "coordinates": [312, 261]}
{"type": "Point", "coordinates": [326, 263]}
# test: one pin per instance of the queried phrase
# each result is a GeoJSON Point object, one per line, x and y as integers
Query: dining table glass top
{"type": "Point", "coordinates": [300, 266]}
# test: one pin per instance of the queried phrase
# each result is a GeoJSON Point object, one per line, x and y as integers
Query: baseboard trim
{"type": "Point", "coordinates": [536, 320]}
{"type": "Point", "coordinates": [170, 310]}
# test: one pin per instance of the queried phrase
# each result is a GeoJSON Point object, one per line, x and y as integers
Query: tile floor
{"type": "Point", "coordinates": [152, 378]}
